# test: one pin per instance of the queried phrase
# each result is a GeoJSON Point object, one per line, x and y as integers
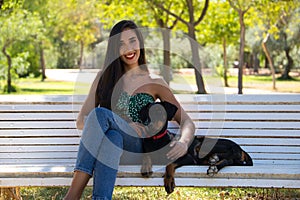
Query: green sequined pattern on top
{"type": "Point", "coordinates": [129, 106]}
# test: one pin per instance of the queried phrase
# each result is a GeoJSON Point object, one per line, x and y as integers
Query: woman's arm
{"type": "Point", "coordinates": [89, 103]}
{"type": "Point", "coordinates": [187, 126]}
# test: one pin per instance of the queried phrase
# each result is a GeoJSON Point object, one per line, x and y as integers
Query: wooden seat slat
{"type": "Point", "coordinates": [273, 108]}
{"type": "Point", "coordinates": [199, 124]}
{"type": "Point", "coordinates": [75, 140]}
{"type": "Point", "coordinates": [68, 155]}
{"type": "Point", "coordinates": [247, 133]}
{"type": "Point", "coordinates": [195, 116]}
{"type": "Point", "coordinates": [74, 148]}
{"type": "Point", "coordinates": [71, 161]}
{"type": "Point", "coordinates": [246, 116]}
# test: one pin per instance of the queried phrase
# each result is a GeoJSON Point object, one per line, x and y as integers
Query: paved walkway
{"type": "Point", "coordinates": [88, 75]}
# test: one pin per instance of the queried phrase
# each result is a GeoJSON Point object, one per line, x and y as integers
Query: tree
{"type": "Point", "coordinates": [242, 7]}
{"type": "Point", "coordinates": [191, 24]}
{"type": "Point", "coordinates": [40, 7]}
{"type": "Point", "coordinates": [220, 27]}
{"type": "Point", "coordinates": [279, 33]}
{"type": "Point", "coordinates": [75, 22]}
{"type": "Point", "coordinates": [166, 23]}
{"type": "Point", "coordinates": [16, 25]}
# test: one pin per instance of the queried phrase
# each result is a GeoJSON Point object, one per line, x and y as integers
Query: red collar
{"type": "Point", "coordinates": [156, 137]}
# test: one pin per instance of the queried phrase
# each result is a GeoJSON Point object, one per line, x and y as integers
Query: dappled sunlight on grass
{"type": "Point", "coordinates": [158, 193]}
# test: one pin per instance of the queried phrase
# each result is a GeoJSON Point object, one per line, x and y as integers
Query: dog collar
{"type": "Point", "coordinates": [156, 137]}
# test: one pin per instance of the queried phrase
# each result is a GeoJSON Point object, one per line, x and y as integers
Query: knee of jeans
{"type": "Point", "coordinates": [101, 111]}
{"type": "Point", "coordinates": [115, 137]}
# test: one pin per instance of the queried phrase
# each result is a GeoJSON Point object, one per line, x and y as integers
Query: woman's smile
{"type": "Point", "coordinates": [130, 56]}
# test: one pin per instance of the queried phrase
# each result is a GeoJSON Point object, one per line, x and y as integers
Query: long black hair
{"type": "Point", "coordinates": [113, 68]}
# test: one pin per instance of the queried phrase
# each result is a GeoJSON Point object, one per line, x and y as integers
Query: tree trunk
{"type": "Point", "coordinates": [241, 53]}
{"type": "Point", "coordinates": [42, 61]}
{"type": "Point", "coordinates": [225, 63]}
{"type": "Point", "coordinates": [196, 61]}
{"type": "Point", "coordinates": [9, 63]}
{"type": "Point", "coordinates": [81, 55]}
{"type": "Point", "coordinates": [166, 69]}
{"type": "Point", "coordinates": [255, 63]}
{"type": "Point", "coordinates": [289, 65]}
{"type": "Point", "coordinates": [265, 49]}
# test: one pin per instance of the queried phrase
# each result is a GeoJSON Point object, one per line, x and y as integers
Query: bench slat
{"type": "Point", "coordinates": [7, 108]}
{"type": "Point", "coordinates": [74, 148]}
{"type": "Point", "coordinates": [198, 124]}
{"type": "Point", "coordinates": [247, 133]}
{"type": "Point", "coordinates": [39, 108]}
{"type": "Point", "coordinates": [247, 116]}
{"type": "Point", "coordinates": [75, 140]}
{"type": "Point", "coordinates": [195, 116]}
{"type": "Point", "coordinates": [241, 108]}
{"type": "Point", "coordinates": [68, 155]}
{"type": "Point", "coordinates": [71, 161]}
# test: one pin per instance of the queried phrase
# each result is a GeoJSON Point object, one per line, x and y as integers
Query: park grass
{"type": "Point", "coordinates": [260, 82]}
{"type": "Point", "coordinates": [158, 193]}
{"type": "Point", "coordinates": [31, 86]}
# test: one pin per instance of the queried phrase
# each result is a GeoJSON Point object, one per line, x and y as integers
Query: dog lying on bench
{"type": "Point", "coordinates": [217, 153]}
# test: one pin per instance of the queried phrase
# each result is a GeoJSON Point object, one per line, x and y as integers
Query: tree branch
{"type": "Point", "coordinates": [159, 5]}
{"type": "Point", "coordinates": [203, 13]}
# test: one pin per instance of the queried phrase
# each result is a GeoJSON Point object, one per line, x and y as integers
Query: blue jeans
{"type": "Point", "coordinates": [105, 138]}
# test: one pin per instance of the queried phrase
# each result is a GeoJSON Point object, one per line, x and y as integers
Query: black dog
{"type": "Point", "coordinates": [217, 153]}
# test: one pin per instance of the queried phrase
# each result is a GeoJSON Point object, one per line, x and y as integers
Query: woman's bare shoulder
{"type": "Point", "coordinates": [157, 79]}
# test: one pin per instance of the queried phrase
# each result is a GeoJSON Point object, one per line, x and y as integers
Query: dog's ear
{"type": "Point", "coordinates": [171, 109]}
{"type": "Point", "coordinates": [144, 113]}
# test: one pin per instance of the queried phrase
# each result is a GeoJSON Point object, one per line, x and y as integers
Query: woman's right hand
{"type": "Point", "coordinates": [139, 128]}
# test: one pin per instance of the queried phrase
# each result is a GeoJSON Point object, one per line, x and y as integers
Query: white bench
{"type": "Point", "coordinates": [39, 141]}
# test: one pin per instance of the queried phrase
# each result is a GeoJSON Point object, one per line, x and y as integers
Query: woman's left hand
{"type": "Point", "coordinates": [178, 150]}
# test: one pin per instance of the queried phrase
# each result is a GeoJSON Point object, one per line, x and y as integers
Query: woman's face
{"type": "Point", "coordinates": [129, 48]}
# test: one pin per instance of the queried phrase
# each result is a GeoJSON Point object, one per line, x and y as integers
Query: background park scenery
{"type": "Point", "coordinates": [241, 43]}
{"type": "Point", "coordinates": [197, 46]}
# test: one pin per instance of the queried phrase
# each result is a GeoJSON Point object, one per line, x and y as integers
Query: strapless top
{"type": "Point", "coordinates": [129, 106]}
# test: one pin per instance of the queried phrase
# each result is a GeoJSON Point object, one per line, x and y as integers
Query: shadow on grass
{"type": "Point", "coordinates": [46, 91]}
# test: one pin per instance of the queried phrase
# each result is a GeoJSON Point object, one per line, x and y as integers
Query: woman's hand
{"type": "Point", "coordinates": [139, 128]}
{"type": "Point", "coordinates": [178, 150]}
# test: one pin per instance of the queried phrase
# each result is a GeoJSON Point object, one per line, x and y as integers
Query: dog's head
{"type": "Point", "coordinates": [156, 116]}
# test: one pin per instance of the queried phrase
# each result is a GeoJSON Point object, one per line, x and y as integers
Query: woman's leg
{"type": "Point", "coordinates": [106, 165]}
{"type": "Point", "coordinates": [80, 179]}
{"type": "Point", "coordinates": [96, 126]}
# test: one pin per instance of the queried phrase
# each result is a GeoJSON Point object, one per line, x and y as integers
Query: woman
{"type": "Point", "coordinates": [112, 125]}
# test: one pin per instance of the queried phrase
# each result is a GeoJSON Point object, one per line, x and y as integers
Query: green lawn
{"type": "Point", "coordinates": [35, 86]}
{"type": "Point", "coordinates": [261, 82]}
{"type": "Point", "coordinates": [158, 193]}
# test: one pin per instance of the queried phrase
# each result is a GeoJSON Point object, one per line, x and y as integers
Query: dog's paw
{"type": "Point", "coordinates": [146, 169]}
{"type": "Point", "coordinates": [213, 159]}
{"type": "Point", "coordinates": [169, 183]}
{"type": "Point", "coordinates": [212, 170]}
{"type": "Point", "coordinates": [146, 173]}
